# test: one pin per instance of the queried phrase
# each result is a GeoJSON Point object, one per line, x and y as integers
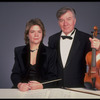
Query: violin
{"type": "Point", "coordinates": [92, 76]}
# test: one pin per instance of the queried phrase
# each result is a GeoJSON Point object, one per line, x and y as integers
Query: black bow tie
{"type": "Point", "coordinates": [68, 37]}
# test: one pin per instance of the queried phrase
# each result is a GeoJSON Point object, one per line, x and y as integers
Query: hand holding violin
{"type": "Point", "coordinates": [95, 43]}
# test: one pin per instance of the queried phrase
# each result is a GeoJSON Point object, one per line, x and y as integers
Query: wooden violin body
{"type": "Point", "coordinates": [92, 77]}
{"type": "Point", "coordinates": [93, 74]}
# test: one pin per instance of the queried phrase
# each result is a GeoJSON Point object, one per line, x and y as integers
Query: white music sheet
{"type": "Point", "coordinates": [44, 93]}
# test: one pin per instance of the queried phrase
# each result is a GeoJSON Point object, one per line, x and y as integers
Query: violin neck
{"type": "Point", "coordinates": [93, 64]}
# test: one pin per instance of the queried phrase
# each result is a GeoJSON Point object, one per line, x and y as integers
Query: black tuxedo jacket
{"type": "Point", "coordinates": [45, 64]}
{"type": "Point", "coordinates": [74, 71]}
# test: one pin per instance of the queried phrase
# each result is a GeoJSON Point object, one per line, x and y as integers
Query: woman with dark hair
{"type": "Point", "coordinates": [34, 62]}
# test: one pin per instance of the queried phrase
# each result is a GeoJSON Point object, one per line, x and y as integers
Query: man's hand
{"type": "Point", "coordinates": [95, 43]}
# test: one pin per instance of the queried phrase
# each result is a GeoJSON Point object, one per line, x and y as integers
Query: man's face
{"type": "Point", "coordinates": [67, 22]}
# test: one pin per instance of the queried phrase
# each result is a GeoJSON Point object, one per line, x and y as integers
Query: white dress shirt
{"type": "Point", "coordinates": [65, 46]}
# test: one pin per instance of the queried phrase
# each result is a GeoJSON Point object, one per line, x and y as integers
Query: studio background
{"type": "Point", "coordinates": [13, 18]}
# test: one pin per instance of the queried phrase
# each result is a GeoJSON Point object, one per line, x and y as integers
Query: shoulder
{"type": "Point", "coordinates": [49, 50]}
{"type": "Point", "coordinates": [82, 35]}
{"type": "Point", "coordinates": [55, 35]}
{"type": "Point", "coordinates": [19, 48]}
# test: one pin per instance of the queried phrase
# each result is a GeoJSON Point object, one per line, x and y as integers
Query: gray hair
{"type": "Point", "coordinates": [63, 10]}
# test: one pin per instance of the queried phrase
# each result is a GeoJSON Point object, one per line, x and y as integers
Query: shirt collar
{"type": "Point", "coordinates": [62, 33]}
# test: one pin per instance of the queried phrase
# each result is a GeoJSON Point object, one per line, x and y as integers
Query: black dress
{"type": "Point", "coordinates": [32, 73]}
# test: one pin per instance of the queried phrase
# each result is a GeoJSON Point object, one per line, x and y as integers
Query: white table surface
{"type": "Point", "coordinates": [48, 93]}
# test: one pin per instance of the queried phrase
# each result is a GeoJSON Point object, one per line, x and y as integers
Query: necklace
{"type": "Point", "coordinates": [33, 50]}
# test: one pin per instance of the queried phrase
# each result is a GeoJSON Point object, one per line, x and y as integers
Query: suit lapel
{"type": "Point", "coordinates": [41, 56]}
{"type": "Point", "coordinates": [74, 48]}
{"type": "Point", "coordinates": [58, 49]}
{"type": "Point", "coordinates": [26, 56]}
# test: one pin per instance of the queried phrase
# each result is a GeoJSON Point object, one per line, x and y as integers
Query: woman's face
{"type": "Point", "coordinates": [35, 34]}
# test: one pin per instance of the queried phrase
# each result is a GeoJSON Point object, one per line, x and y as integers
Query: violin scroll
{"type": "Point", "coordinates": [95, 31]}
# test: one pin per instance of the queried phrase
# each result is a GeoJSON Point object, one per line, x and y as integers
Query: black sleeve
{"type": "Point", "coordinates": [16, 72]}
{"type": "Point", "coordinates": [52, 69]}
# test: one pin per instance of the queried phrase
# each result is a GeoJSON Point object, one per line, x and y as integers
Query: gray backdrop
{"type": "Point", "coordinates": [14, 15]}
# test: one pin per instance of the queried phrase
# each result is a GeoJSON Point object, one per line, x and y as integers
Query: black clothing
{"type": "Point", "coordinates": [45, 68]}
{"type": "Point", "coordinates": [75, 68]}
{"type": "Point", "coordinates": [32, 73]}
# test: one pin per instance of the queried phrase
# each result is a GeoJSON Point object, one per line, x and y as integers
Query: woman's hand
{"type": "Point", "coordinates": [23, 87]}
{"type": "Point", "coordinates": [35, 85]}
